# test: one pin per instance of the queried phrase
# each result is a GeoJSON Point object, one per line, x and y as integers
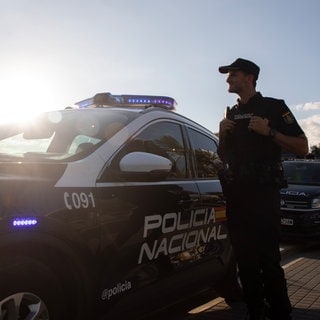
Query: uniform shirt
{"type": "Point", "coordinates": [245, 147]}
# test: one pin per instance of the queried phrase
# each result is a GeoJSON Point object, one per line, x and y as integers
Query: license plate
{"type": "Point", "coordinates": [286, 222]}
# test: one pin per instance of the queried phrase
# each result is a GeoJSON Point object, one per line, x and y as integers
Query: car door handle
{"type": "Point", "coordinates": [187, 201]}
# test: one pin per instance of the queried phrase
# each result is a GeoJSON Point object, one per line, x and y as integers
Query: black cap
{"type": "Point", "coordinates": [241, 64]}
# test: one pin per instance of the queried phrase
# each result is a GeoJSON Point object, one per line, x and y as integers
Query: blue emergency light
{"type": "Point", "coordinates": [107, 99]}
{"type": "Point", "coordinates": [24, 222]}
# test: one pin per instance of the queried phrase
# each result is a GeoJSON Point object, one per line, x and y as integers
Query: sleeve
{"type": "Point", "coordinates": [285, 121]}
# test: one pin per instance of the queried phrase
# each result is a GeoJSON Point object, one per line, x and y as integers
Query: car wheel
{"type": "Point", "coordinates": [30, 290]}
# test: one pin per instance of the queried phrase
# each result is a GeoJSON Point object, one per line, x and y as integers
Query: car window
{"type": "Point", "coordinates": [82, 143]}
{"type": "Point", "coordinates": [60, 135]}
{"type": "Point", "coordinates": [302, 172]}
{"type": "Point", "coordinates": [205, 151]}
{"type": "Point", "coordinates": [18, 144]}
{"type": "Point", "coordinates": [164, 139]}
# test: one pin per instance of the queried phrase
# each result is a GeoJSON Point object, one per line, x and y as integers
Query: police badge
{"type": "Point", "coordinates": [288, 117]}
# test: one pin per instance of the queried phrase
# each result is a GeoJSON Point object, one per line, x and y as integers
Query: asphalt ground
{"type": "Point", "coordinates": [301, 263]}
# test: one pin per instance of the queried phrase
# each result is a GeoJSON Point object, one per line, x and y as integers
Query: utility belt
{"type": "Point", "coordinates": [253, 174]}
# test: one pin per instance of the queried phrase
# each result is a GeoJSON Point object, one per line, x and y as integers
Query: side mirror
{"type": "Point", "coordinates": [143, 162]}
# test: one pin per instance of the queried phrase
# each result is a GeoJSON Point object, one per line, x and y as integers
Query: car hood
{"type": "Point", "coordinates": [27, 171]}
{"type": "Point", "coordinates": [300, 191]}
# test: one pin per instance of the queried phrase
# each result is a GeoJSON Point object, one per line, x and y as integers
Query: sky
{"type": "Point", "coordinates": [55, 53]}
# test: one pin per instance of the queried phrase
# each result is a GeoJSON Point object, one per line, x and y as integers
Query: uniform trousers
{"type": "Point", "coordinates": [253, 214]}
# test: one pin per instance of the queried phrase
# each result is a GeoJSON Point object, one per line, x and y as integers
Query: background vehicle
{"type": "Point", "coordinates": [300, 202]}
{"type": "Point", "coordinates": [114, 206]}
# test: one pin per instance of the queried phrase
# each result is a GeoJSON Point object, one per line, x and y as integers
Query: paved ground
{"type": "Point", "coordinates": [302, 271]}
{"type": "Point", "coordinates": [301, 262]}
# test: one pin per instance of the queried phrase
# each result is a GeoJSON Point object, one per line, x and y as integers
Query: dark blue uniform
{"type": "Point", "coordinates": [253, 201]}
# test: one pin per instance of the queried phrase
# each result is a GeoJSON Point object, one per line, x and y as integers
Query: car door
{"type": "Point", "coordinates": [147, 220]}
{"type": "Point", "coordinates": [217, 247]}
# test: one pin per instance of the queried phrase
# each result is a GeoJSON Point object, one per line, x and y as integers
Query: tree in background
{"type": "Point", "coordinates": [315, 152]}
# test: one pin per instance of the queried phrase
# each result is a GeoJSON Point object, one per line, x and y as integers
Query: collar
{"type": "Point", "coordinates": [252, 101]}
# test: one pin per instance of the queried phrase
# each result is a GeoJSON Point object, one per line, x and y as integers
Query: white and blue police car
{"type": "Point", "coordinates": [111, 207]}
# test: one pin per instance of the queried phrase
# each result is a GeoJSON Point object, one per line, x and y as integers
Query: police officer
{"type": "Point", "coordinates": [252, 136]}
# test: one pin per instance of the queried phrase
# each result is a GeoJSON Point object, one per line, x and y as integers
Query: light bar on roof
{"type": "Point", "coordinates": [107, 99]}
{"type": "Point", "coordinates": [85, 103]}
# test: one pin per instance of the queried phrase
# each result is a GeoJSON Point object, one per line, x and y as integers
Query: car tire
{"type": "Point", "coordinates": [30, 290]}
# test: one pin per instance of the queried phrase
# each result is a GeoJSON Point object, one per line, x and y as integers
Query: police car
{"type": "Point", "coordinates": [300, 201]}
{"type": "Point", "coordinates": [110, 207]}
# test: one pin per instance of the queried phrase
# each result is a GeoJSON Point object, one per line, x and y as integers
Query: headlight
{"type": "Point", "coordinates": [315, 203]}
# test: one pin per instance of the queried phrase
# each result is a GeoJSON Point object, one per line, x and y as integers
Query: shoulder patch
{"type": "Point", "coordinates": [288, 117]}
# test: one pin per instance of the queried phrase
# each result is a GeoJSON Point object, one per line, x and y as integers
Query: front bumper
{"type": "Point", "coordinates": [303, 223]}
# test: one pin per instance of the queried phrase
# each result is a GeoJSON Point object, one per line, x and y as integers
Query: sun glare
{"type": "Point", "coordinates": [23, 96]}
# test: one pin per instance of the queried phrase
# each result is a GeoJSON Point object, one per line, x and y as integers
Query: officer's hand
{"type": "Point", "coordinates": [259, 125]}
{"type": "Point", "coordinates": [225, 127]}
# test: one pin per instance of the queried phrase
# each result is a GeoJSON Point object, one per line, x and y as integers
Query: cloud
{"type": "Point", "coordinates": [307, 106]}
{"type": "Point", "coordinates": [309, 120]}
{"type": "Point", "coordinates": [311, 127]}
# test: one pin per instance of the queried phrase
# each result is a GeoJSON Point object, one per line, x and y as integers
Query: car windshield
{"type": "Point", "coordinates": [306, 173]}
{"type": "Point", "coordinates": [60, 135]}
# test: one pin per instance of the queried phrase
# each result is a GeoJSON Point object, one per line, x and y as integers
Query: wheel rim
{"type": "Point", "coordinates": [23, 306]}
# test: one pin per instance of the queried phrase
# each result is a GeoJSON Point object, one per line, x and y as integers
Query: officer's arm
{"type": "Point", "coordinates": [222, 149]}
{"type": "Point", "coordinates": [296, 145]}
{"type": "Point", "coordinates": [226, 126]}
